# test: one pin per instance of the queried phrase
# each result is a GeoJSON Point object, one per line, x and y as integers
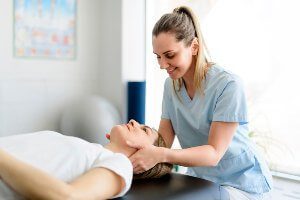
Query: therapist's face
{"type": "Point", "coordinates": [173, 56]}
{"type": "Point", "coordinates": [134, 132]}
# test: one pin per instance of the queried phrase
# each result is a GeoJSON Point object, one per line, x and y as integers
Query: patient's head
{"type": "Point", "coordinates": [142, 135]}
{"type": "Point", "coordinates": [134, 132]}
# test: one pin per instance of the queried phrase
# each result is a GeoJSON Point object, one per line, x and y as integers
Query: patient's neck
{"type": "Point", "coordinates": [127, 151]}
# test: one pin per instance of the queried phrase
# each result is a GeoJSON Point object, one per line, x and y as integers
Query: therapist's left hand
{"type": "Point", "coordinates": [145, 158]}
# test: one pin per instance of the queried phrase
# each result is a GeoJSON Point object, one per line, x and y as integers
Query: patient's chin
{"type": "Point", "coordinates": [116, 129]}
{"type": "Point", "coordinates": [117, 134]}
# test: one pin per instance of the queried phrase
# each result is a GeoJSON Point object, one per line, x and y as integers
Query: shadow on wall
{"type": "Point", "coordinates": [90, 119]}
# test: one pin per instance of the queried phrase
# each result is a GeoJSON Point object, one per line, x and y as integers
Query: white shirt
{"type": "Point", "coordinates": [64, 157]}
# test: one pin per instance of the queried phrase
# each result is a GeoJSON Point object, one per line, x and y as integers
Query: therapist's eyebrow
{"type": "Point", "coordinates": [169, 51]}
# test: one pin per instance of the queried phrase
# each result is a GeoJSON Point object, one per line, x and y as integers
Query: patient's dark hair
{"type": "Point", "coordinates": [159, 169]}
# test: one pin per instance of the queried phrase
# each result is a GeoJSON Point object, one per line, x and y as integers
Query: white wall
{"type": "Point", "coordinates": [33, 92]}
{"type": "Point", "coordinates": [133, 44]}
{"type": "Point", "coordinates": [133, 40]}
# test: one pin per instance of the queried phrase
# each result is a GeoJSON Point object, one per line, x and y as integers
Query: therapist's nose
{"type": "Point", "coordinates": [163, 64]}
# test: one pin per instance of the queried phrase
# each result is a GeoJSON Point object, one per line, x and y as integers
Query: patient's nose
{"type": "Point", "coordinates": [135, 123]}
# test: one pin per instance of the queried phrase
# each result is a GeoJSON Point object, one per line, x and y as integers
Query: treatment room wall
{"type": "Point", "coordinates": [33, 92]}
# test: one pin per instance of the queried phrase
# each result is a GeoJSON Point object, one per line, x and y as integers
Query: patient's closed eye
{"type": "Point", "coordinates": [147, 130]}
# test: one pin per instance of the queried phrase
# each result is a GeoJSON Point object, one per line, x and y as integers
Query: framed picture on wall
{"type": "Point", "coordinates": [45, 29]}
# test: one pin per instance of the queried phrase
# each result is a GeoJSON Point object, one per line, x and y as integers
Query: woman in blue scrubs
{"type": "Point", "coordinates": [204, 105]}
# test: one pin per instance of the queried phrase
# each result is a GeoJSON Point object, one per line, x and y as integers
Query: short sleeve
{"type": "Point", "coordinates": [231, 104]}
{"type": "Point", "coordinates": [166, 101]}
{"type": "Point", "coordinates": [119, 164]}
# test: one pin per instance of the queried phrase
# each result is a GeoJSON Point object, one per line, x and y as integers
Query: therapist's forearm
{"type": "Point", "coordinates": [31, 182]}
{"type": "Point", "coordinates": [204, 155]}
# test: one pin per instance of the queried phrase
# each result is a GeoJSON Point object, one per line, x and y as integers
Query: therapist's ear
{"type": "Point", "coordinates": [107, 135]}
{"type": "Point", "coordinates": [195, 46]}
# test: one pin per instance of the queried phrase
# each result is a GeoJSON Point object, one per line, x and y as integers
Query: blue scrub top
{"type": "Point", "coordinates": [223, 100]}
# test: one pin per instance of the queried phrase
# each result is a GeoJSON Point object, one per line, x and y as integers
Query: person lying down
{"type": "Point", "coordinates": [49, 165]}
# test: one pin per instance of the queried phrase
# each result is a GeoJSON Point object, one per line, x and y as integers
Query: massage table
{"type": "Point", "coordinates": [175, 187]}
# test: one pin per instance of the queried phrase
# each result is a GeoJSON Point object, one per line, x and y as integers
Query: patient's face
{"type": "Point", "coordinates": [134, 132]}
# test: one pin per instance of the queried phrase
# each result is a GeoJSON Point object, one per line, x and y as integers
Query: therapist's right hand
{"type": "Point", "coordinates": [145, 158]}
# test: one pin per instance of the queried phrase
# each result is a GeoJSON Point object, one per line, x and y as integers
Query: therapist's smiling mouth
{"type": "Point", "coordinates": [171, 70]}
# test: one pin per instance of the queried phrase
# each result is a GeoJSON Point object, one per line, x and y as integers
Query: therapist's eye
{"type": "Point", "coordinates": [170, 56]}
